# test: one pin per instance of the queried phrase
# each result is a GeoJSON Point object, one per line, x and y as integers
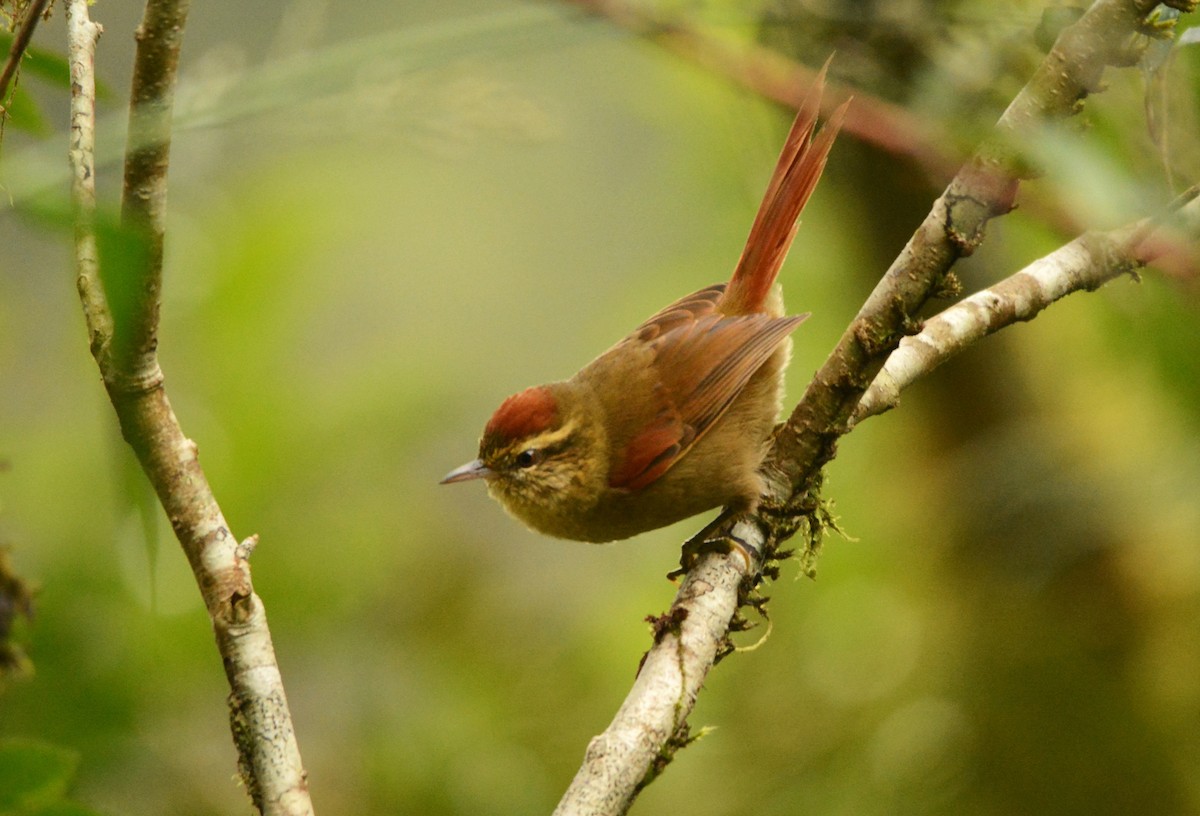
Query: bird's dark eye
{"type": "Point", "coordinates": [528, 458]}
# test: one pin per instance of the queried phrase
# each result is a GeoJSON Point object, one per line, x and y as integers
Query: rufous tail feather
{"type": "Point", "coordinates": [795, 177]}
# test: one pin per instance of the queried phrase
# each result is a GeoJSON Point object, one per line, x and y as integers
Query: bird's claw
{"type": "Point", "coordinates": [700, 544]}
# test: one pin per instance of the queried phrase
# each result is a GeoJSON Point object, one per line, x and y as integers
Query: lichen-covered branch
{"type": "Point", "coordinates": [121, 309]}
{"type": "Point", "coordinates": [1085, 264]}
{"type": "Point", "coordinates": [82, 35]}
{"type": "Point", "coordinates": [641, 736]}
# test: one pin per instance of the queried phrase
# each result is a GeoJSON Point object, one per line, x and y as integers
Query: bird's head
{"type": "Point", "coordinates": [540, 453]}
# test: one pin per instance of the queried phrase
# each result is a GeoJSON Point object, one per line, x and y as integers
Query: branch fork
{"type": "Point", "coordinates": [865, 374]}
{"type": "Point", "coordinates": [126, 353]}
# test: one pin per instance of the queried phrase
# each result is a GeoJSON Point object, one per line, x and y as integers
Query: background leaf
{"type": "Point", "coordinates": [33, 774]}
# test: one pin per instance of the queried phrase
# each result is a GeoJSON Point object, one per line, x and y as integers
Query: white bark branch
{"type": "Point", "coordinates": [82, 35]}
{"type": "Point", "coordinates": [1085, 264]}
{"type": "Point", "coordinates": [651, 723]}
{"type": "Point", "coordinates": [125, 350]}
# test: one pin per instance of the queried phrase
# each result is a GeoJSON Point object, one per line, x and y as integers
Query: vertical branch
{"type": "Point", "coordinates": [147, 155]}
{"type": "Point", "coordinates": [120, 304]}
{"type": "Point", "coordinates": [82, 35]}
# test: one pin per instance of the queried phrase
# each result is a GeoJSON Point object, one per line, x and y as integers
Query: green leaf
{"type": "Point", "coordinates": [41, 63]}
{"type": "Point", "coordinates": [33, 774]}
{"type": "Point", "coordinates": [124, 257]}
{"type": "Point", "coordinates": [24, 114]}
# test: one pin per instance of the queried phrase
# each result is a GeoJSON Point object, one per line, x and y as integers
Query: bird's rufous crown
{"type": "Point", "coordinates": [522, 415]}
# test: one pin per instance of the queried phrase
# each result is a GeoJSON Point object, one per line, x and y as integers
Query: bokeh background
{"type": "Point", "coordinates": [386, 217]}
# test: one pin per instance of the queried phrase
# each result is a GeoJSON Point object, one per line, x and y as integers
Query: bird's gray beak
{"type": "Point", "coordinates": [471, 470]}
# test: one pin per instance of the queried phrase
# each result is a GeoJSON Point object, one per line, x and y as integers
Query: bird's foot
{"type": "Point", "coordinates": [703, 543]}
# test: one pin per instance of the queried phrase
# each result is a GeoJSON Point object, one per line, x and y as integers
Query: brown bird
{"type": "Point", "coordinates": [674, 419]}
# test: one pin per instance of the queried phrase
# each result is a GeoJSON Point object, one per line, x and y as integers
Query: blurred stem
{"type": "Point", "coordinates": [774, 76]}
{"type": "Point", "coordinates": [33, 13]}
{"type": "Point", "coordinates": [16, 600]}
{"type": "Point", "coordinates": [268, 755]}
{"type": "Point", "coordinates": [147, 156]}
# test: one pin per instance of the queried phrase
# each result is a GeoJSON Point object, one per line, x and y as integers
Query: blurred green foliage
{"type": "Point", "coordinates": [42, 63]}
{"type": "Point", "coordinates": [21, 110]}
{"type": "Point", "coordinates": [384, 218]}
{"type": "Point", "coordinates": [34, 779]}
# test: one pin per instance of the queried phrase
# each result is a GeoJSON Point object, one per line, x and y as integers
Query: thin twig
{"type": "Point", "coordinates": [33, 13]}
{"type": "Point", "coordinates": [268, 756]}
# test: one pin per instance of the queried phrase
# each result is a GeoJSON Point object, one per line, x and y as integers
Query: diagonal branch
{"type": "Point", "coordinates": [120, 303]}
{"type": "Point", "coordinates": [33, 13]}
{"type": "Point", "coordinates": [1109, 33]}
{"type": "Point", "coordinates": [1085, 264]}
{"type": "Point", "coordinates": [773, 76]}
{"type": "Point", "coordinates": [651, 723]}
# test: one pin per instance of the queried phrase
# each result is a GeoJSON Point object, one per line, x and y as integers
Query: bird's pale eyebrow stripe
{"type": "Point", "coordinates": [550, 439]}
